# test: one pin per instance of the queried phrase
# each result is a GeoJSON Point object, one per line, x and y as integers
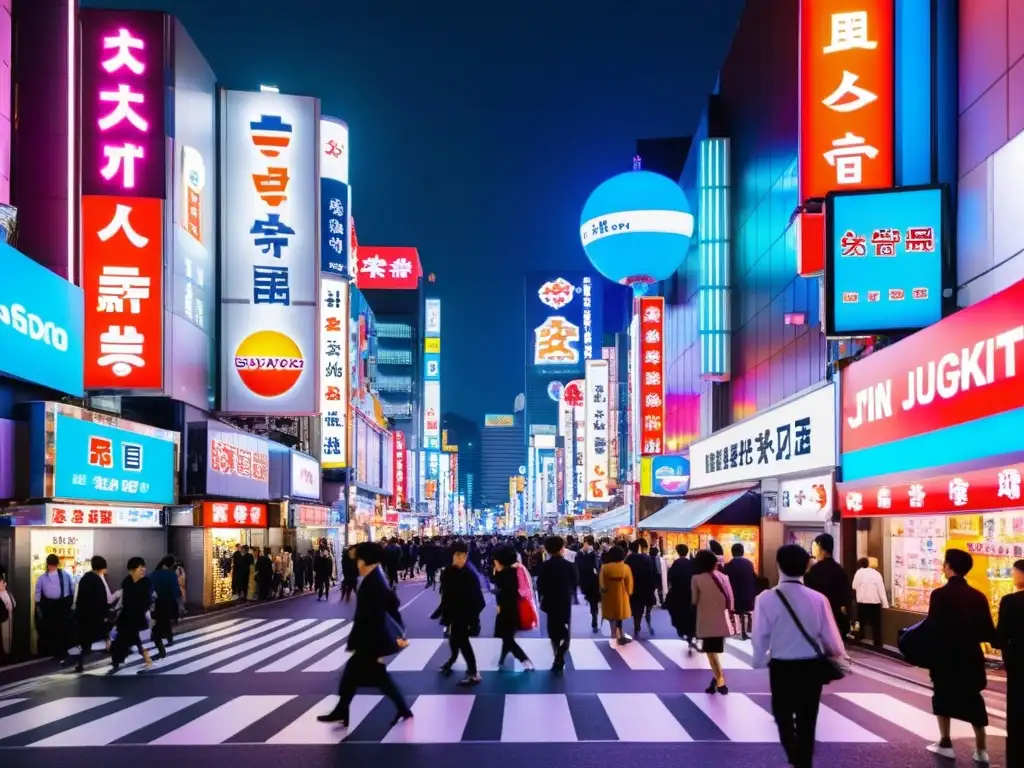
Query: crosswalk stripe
{"type": "Point", "coordinates": [487, 650]}
{"type": "Point", "coordinates": [585, 656]}
{"type": "Point", "coordinates": [739, 718]}
{"type": "Point", "coordinates": [308, 730]}
{"type": "Point", "coordinates": [110, 728]}
{"type": "Point", "coordinates": [438, 720]}
{"type": "Point", "coordinates": [238, 649]}
{"type": "Point", "coordinates": [332, 662]}
{"type": "Point", "coordinates": [539, 651]}
{"type": "Point", "coordinates": [537, 718]}
{"type": "Point", "coordinates": [220, 724]}
{"type": "Point", "coordinates": [100, 645]}
{"type": "Point", "coordinates": [250, 660]}
{"type": "Point", "coordinates": [9, 702]}
{"type": "Point", "coordinates": [416, 657]}
{"type": "Point", "coordinates": [176, 655]}
{"type": "Point", "coordinates": [679, 653]}
{"type": "Point", "coordinates": [909, 717]}
{"type": "Point", "coordinates": [295, 658]}
{"type": "Point", "coordinates": [637, 657]}
{"type": "Point", "coordinates": [635, 716]}
{"type": "Point", "coordinates": [48, 713]}
{"type": "Point", "coordinates": [833, 728]}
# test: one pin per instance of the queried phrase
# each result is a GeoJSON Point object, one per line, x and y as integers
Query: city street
{"type": "Point", "coordinates": [245, 689]}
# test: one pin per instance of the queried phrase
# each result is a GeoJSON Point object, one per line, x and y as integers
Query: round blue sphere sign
{"type": "Point", "coordinates": [636, 227]}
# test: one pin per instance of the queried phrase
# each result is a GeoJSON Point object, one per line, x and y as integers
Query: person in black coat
{"type": "Point", "coordinates": [136, 598]}
{"type": "Point", "coordinates": [588, 565]}
{"type": "Point", "coordinates": [92, 608]}
{"type": "Point", "coordinates": [264, 574]}
{"type": "Point", "coordinates": [743, 581]}
{"type": "Point", "coordinates": [556, 587]}
{"type": "Point", "coordinates": [506, 589]}
{"type": "Point", "coordinates": [374, 626]}
{"type": "Point", "coordinates": [645, 585]}
{"type": "Point", "coordinates": [961, 621]}
{"type": "Point", "coordinates": [430, 559]}
{"type": "Point", "coordinates": [1010, 639]}
{"type": "Point", "coordinates": [828, 577]}
{"type": "Point", "coordinates": [322, 568]}
{"type": "Point", "coordinates": [462, 602]}
{"type": "Point", "coordinates": [240, 572]}
{"type": "Point", "coordinates": [349, 574]}
{"type": "Point", "coordinates": [679, 600]}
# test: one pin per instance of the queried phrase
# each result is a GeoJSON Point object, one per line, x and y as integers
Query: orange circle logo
{"type": "Point", "coordinates": [269, 363]}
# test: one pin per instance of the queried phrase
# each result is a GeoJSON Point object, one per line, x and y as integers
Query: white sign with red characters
{"type": "Point", "coordinates": [227, 459]}
{"type": "Point", "coordinates": [334, 395]}
{"type": "Point", "coordinates": [234, 514]}
{"type": "Point", "coordinates": [101, 516]}
{"type": "Point", "coordinates": [651, 376]}
{"type": "Point", "coordinates": [399, 499]}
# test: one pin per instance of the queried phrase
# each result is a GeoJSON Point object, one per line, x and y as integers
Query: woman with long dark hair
{"type": "Point", "coordinates": [506, 587]}
{"type": "Point", "coordinates": [712, 600]}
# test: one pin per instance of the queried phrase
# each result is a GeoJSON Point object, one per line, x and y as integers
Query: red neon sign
{"type": "Point", "coordinates": [651, 375]}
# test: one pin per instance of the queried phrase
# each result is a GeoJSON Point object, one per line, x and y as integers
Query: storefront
{"type": "Point", "coordinates": [225, 525]}
{"type": "Point", "coordinates": [932, 455]}
{"type": "Point", "coordinates": [738, 475]}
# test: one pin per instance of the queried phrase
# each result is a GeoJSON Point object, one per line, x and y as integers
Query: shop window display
{"type": "Point", "coordinates": [222, 547]}
{"type": "Point", "coordinates": [918, 547]}
{"type": "Point", "coordinates": [726, 535]}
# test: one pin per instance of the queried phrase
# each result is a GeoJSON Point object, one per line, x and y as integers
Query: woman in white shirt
{"type": "Point", "coordinates": [870, 591]}
{"type": "Point", "coordinates": [782, 616]}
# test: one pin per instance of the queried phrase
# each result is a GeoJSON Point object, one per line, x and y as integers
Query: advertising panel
{"type": "Point", "coordinates": [949, 394]}
{"type": "Point", "coordinates": [796, 436]}
{"type": "Point", "coordinates": [432, 346]}
{"type": "Point", "coordinates": [597, 430]}
{"type": "Point", "coordinates": [334, 396]}
{"type": "Point", "coordinates": [305, 481]}
{"type": "Point", "coordinates": [102, 516]}
{"type": "Point", "coordinates": [670, 475]}
{"type": "Point", "coordinates": [433, 317]}
{"type": "Point", "coordinates": [432, 414]}
{"type": "Point", "coordinates": [237, 464]}
{"type": "Point", "coordinates": [388, 267]}
{"type": "Point", "coordinates": [269, 256]}
{"type": "Point", "coordinates": [122, 101]}
{"type": "Point", "coordinates": [652, 375]}
{"type": "Point", "coordinates": [847, 105]}
{"type": "Point", "coordinates": [432, 366]}
{"type": "Point", "coordinates": [122, 274]}
{"type": "Point", "coordinates": [399, 495]}
{"type": "Point", "coordinates": [97, 462]}
{"type": "Point", "coordinates": [234, 514]}
{"type": "Point", "coordinates": [41, 325]}
{"type": "Point", "coordinates": [335, 200]}
{"type": "Point", "coordinates": [884, 261]}
{"type": "Point", "coordinates": [499, 420]}
{"type": "Point", "coordinates": [806, 499]}
{"type": "Point", "coordinates": [563, 322]}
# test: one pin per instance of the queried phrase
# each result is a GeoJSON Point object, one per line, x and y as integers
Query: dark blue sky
{"type": "Point", "coordinates": [476, 134]}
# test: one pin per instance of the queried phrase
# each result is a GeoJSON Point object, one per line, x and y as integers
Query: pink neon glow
{"type": "Point", "coordinates": [123, 98]}
{"type": "Point", "coordinates": [124, 43]}
{"type": "Point", "coordinates": [121, 158]}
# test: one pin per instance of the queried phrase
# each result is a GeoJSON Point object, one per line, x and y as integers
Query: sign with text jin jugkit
{"type": "Point", "coordinates": [270, 263]}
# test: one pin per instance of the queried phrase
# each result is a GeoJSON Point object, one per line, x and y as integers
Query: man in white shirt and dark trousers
{"type": "Point", "coordinates": [791, 658]}
{"type": "Point", "coordinates": [869, 589]}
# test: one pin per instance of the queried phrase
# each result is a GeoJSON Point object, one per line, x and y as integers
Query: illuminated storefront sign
{"type": "Point", "coordinates": [305, 479]}
{"type": "Point", "coordinates": [334, 399]}
{"type": "Point", "coordinates": [392, 267]}
{"type": "Point", "coordinates": [234, 514]}
{"type": "Point", "coordinates": [588, 318]}
{"type": "Point", "coordinates": [193, 283]}
{"type": "Point", "coordinates": [123, 268]}
{"type": "Point", "coordinates": [596, 466]}
{"type": "Point", "coordinates": [432, 414]}
{"type": "Point", "coordinates": [652, 375]}
{"type": "Point", "coordinates": [399, 493]}
{"type": "Point", "coordinates": [432, 366]}
{"type": "Point", "coordinates": [335, 197]}
{"type": "Point", "coordinates": [122, 97]}
{"type": "Point", "coordinates": [269, 262]}
{"type": "Point", "coordinates": [432, 376]}
{"type": "Point", "coordinates": [609, 354]}
{"type": "Point", "coordinates": [847, 53]}
{"type": "Point", "coordinates": [806, 499]}
{"type": "Point", "coordinates": [237, 464]}
{"type": "Point", "coordinates": [99, 516]}
{"type": "Point", "coordinates": [885, 253]}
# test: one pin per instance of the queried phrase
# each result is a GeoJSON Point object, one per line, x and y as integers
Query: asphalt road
{"type": "Point", "coordinates": [245, 688]}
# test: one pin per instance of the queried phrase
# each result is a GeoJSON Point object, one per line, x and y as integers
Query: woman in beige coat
{"type": "Point", "coordinates": [712, 600]}
{"type": "Point", "coordinates": [616, 581]}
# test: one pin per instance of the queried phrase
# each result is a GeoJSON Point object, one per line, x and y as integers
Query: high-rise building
{"type": "Point", "coordinates": [503, 452]}
{"type": "Point", "coordinates": [465, 434]}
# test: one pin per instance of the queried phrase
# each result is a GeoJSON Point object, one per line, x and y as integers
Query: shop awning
{"type": "Point", "coordinates": [687, 514]}
{"type": "Point", "coordinates": [609, 520]}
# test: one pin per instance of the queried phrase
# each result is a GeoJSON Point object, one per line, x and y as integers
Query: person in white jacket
{"type": "Point", "coordinates": [869, 588]}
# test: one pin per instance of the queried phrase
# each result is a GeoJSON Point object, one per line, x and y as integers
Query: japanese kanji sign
{"type": "Point", "coordinates": [334, 381]}
{"type": "Point", "coordinates": [596, 430]}
{"type": "Point", "coordinates": [391, 267]}
{"type": "Point", "coordinates": [847, 53]}
{"type": "Point", "coordinates": [651, 375]}
{"type": "Point", "coordinates": [796, 436]}
{"type": "Point", "coordinates": [122, 97]}
{"type": "Point", "coordinates": [335, 198]}
{"type": "Point", "coordinates": [269, 260]}
{"type": "Point", "coordinates": [122, 254]}
{"type": "Point", "coordinates": [234, 514]}
{"type": "Point", "coordinates": [399, 498]}
{"type": "Point", "coordinates": [101, 516]}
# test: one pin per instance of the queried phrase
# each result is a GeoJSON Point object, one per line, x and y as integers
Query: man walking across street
{"type": "Point", "coordinates": [556, 586]}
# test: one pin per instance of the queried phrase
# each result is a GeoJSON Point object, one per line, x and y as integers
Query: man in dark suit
{"type": "Point", "coordinates": [556, 586]}
{"type": "Point", "coordinates": [587, 567]}
{"type": "Point", "coordinates": [462, 602]}
{"type": "Point", "coordinates": [743, 581]}
{"type": "Point", "coordinates": [374, 625]}
{"type": "Point", "coordinates": [828, 577]}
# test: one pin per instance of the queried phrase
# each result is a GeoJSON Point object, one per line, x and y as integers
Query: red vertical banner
{"type": "Point", "coordinates": [123, 267]}
{"type": "Point", "coordinates": [847, 100]}
{"type": "Point", "coordinates": [398, 469]}
{"type": "Point", "coordinates": [651, 377]}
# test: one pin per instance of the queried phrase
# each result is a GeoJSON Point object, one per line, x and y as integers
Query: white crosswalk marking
{"type": "Point", "coordinates": [678, 651]}
{"type": "Point", "coordinates": [9, 702]}
{"type": "Point", "coordinates": [739, 718]}
{"type": "Point", "coordinates": [225, 721]}
{"type": "Point", "coordinates": [910, 718]}
{"type": "Point", "coordinates": [538, 718]}
{"type": "Point", "coordinates": [635, 716]}
{"type": "Point", "coordinates": [109, 729]}
{"type": "Point", "coordinates": [233, 650]}
{"type": "Point", "coordinates": [308, 730]}
{"type": "Point", "coordinates": [51, 712]}
{"type": "Point", "coordinates": [586, 656]}
{"type": "Point", "coordinates": [637, 657]}
{"type": "Point", "coordinates": [295, 658]}
{"type": "Point", "coordinates": [416, 657]}
{"type": "Point", "coordinates": [836, 729]}
{"type": "Point", "coordinates": [332, 662]}
{"type": "Point", "coordinates": [438, 720]}
{"type": "Point", "coordinates": [250, 660]}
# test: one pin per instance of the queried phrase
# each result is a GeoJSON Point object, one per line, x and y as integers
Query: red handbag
{"type": "Point", "coordinates": [527, 615]}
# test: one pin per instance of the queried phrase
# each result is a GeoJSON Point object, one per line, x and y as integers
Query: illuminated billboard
{"type": "Point", "coordinates": [563, 322]}
{"type": "Point", "coordinates": [333, 364]}
{"type": "Point", "coordinates": [596, 431]}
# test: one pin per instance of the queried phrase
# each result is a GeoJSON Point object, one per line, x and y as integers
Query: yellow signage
{"type": "Point", "coordinates": [499, 420]}
{"type": "Point", "coordinates": [431, 345]}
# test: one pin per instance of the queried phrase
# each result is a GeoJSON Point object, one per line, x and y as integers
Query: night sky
{"type": "Point", "coordinates": [476, 135]}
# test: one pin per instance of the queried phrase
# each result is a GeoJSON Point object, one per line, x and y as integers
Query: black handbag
{"type": "Point", "coordinates": [828, 669]}
{"type": "Point", "coordinates": [917, 643]}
